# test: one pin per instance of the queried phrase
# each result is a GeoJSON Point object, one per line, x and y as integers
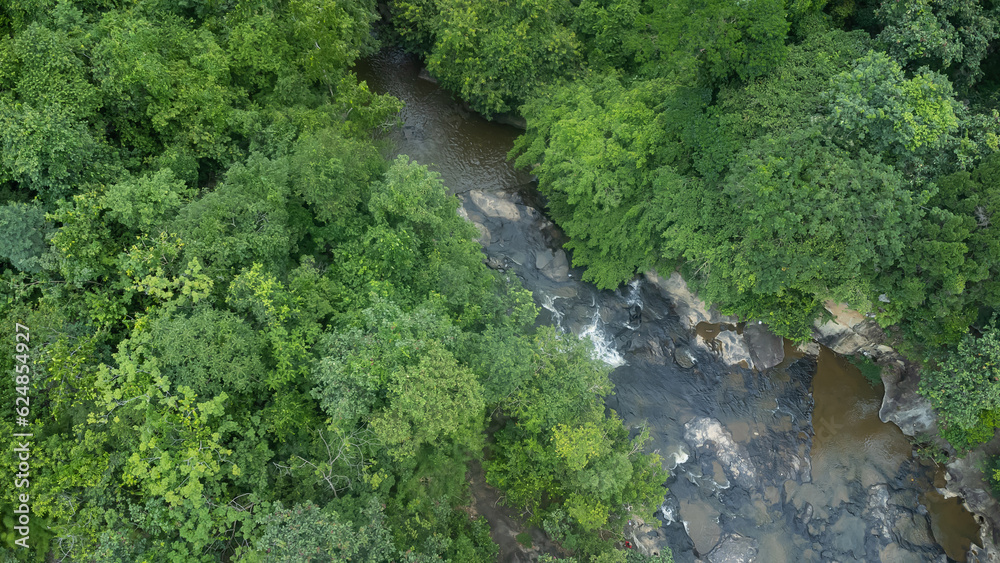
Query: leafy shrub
{"type": "Point", "coordinates": [994, 475]}
{"type": "Point", "coordinates": [964, 384]}
{"type": "Point", "coordinates": [924, 447]}
{"type": "Point", "coordinates": [964, 439]}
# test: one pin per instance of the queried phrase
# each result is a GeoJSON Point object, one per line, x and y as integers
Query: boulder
{"type": "Point", "coordinates": [965, 479]}
{"type": "Point", "coordinates": [902, 405]}
{"type": "Point", "coordinates": [424, 74]}
{"type": "Point", "coordinates": [732, 348]}
{"type": "Point", "coordinates": [734, 548]}
{"type": "Point", "coordinates": [766, 349]}
{"type": "Point", "coordinates": [838, 337]}
{"type": "Point", "coordinates": [709, 434]}
{"type": "Point", "coordinates": [512, 119]}
{"type": "Point", "coordinates": [684, 357]}
{"type": "Point", "coordinates": [689, 308]}
{"type": "Point", "coordinates": [647, 539]}
{"type": "Point", "coordinates": [494, 206]}
{"type": "Point", "coordinates": [553, 265]}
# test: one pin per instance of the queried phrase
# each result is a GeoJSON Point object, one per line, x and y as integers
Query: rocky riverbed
{"type": "Point", "coordinates": [776, 453]}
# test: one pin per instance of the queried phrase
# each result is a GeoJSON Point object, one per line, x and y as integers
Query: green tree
{"type": "Point", "coordinates": [420, 245]}
{"type": "Point", "coordinates": [815, 222]}
{"type": "Point", "coordinates": [966, 381]}
{"type": "Point", "coordinates": [492, 54]}
{"type": "Point", "coordinates": [397, 375]}
{"type": "Point", "coordinates": [147, 72]}
{"type": "Point", "coordinates": [937, 288]}
{"type": "Point", "coordinates": [244, 220]}
{"type": "Point", "coordinates": [146, 204]}
{"type": "Point", "coordinates": [22, 232]}
{"type": "Point", "coordinates": [788, 98]}
{"type": "Point", "coordinates": [949, 35]}
{"type": "Point", "coordinates": [558, 451]}
{"type": "Point", "coordinates": [714, 41]}
{"type": "Point", "coordinates": [913, 122]}
{"type": "Point", "coordinates": [307, 533]}
{"type": "Point", "coordinates": [435, 400]}
{"type": "Point", "coordinates": [597, 145]}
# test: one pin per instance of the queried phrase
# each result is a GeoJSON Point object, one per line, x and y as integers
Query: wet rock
{"type": "Point", "coordinates": [553, 265]}
{"type": "Point", "coordinates": [965, 479]}
{"type": "Point", "coordinates": [781, 457]}
{"type": "Point", "coordinates": [732, 348]}
{"type": "Point", "coordinates": [892, 553]}
{"type": "Point", "coordinates": [495, 263]}
{"type": "Point", "coordinates": [701, 522]}
{"type": "Point", "coordinates": [684, 357]}
{"type": "Point", "coordinates": [424, 74]}
{"type": "Point", "coordinates": [565, 291]}
{"type": "Point", "coordinates": [653, 349]}
{"type": "Point", "coordinates": [670, 509]}
{"type": "Point", "coordinates": [810, 348]}
{"type": "Point", "coordinates": [689, 308]}
{"type": "Point", "coordinates": [560, 264]}
{"type": "Point", "coordinates": [543, 258]}
{"type": "Point", "coordinates": [412, 133]}
{"type": "Point", "coordinates": [839, 338]}
{"type": "Point", "coordinates": [517, 256]}
{"type": "Point", "coordinates": [494, 206]}
{"type": "Point", "coordinates": [734, 548]}
{"type": "Point", "coordinates": [877, 510]}
{"type": "Point", "coordinates": [913, 529]}
{"type": "Point", "coordinates": [848, 536]}
{"type": "Point", "coordinates": [648, 540]}
{"type": "Point", "coordinates": [902, 405]}
{"type": "Point", "coordinates": [766, 349]}
{"type": "Point", "coordinates": [807, 513]}
{"type": "Point", "coordinates": [709, 434]}
{"type": "Point", "coordinates": [484, 234]}
{"type": "Point", "coordinates": [512, 119]}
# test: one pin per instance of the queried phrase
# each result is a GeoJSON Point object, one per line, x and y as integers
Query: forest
{"type": "Point", "coordinates": [248, 335]}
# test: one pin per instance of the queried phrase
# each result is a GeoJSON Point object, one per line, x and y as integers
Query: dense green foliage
{"type": "Point", "coordinates": [251, 337]}
{"type": "Point", "coordinates": [964, 387]}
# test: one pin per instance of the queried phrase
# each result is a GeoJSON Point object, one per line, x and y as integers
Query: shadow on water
{"type": "Point", "coordinates": [788, 465]}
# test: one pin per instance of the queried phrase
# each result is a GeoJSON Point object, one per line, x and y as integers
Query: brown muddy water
{"type": "Point", "coordinates": [792, 464]}
{"type": "Point", "coordinates": [953, 526]}
{"type": "Point", "coordinates": [849, 434]}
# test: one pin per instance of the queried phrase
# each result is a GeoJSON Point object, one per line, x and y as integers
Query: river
{"type": "Point", "coordinates": [789, 464]}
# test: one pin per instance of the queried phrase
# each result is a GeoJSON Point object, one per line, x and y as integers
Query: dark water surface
{"type": "Point", "coordinates": [788, 465]}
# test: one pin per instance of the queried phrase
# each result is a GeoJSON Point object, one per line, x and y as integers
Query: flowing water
{"type": "Point", "coordinates": [792, 464]}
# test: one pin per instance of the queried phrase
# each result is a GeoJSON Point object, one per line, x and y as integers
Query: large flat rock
{"type": "Point", "coordinates": [766, 349]}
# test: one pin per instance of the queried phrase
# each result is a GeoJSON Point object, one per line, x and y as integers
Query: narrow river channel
{"type": "Point", "coordinates": [790, 464]}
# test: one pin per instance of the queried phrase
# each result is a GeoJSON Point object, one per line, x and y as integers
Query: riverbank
{"type": "Point", "coordinates": [959, 487]}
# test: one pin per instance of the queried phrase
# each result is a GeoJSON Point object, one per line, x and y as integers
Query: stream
{"type": "Point", "coordinates": [786, 464]}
